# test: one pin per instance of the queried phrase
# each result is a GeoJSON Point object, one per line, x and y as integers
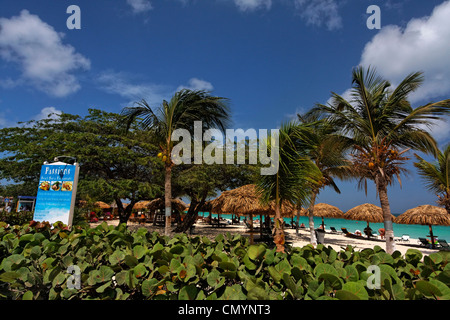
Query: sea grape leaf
{"type": "Point", "coordinates": [256, 252]}
{"type": "Point", "coordinates": [188, 292]}
{"type": "Point", "coordinates": [356, 289]}
{"type": "Point", "coordinates": [325, 268]}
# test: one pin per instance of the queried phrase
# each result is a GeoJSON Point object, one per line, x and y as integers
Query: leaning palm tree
{"type": "Point", "coordinates": [291, 181]}
{"type": "Point", "coordinates": [383, 126]}
{"type": "Point", "coordinates": [437, 176]}
{"type": "Point", "coordinates": [328, 150]}
{"type": "Point", "coordinates": [184, 108]}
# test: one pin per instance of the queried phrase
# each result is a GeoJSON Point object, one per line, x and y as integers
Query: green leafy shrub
{"type": "Point", "coordinates": [16, 218]}
{"type": "Point", "coordinates": [115, 263]}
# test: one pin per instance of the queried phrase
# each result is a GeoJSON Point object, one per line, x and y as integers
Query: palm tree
{"type": "Point", "coordinates": [328, 150]}
{"type": "Point", "coordinates": [437, 176]}
{"type": "Point", "coordinates": [184, 108]}
{"type": "Point", "coordinates": [383, 126]}
{"type": "Point", "coordinates": [292, 180]}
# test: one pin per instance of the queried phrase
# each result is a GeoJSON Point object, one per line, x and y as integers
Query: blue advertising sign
{"type": "Point", "coordinates": [56, 193]}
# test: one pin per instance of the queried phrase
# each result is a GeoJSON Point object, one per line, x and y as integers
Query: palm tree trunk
{"type": "Point", "coordinates": [168, 199]}
{"type": "Point", "coordinates": [278, 233]}
{"type": "Point", "coordinates": [311, 218]}
{"type": "Point", "coordinates": [385, 207]}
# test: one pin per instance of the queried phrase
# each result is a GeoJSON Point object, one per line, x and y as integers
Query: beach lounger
{"type": "Point", "coordinates": [424, 242]}
{"type": "Point", "coordinates": [443, 245]}
{"type": "Point", "coordinates": [404, 238]}
{"type": "Point", "coordinates": [351, 235]}
{"type": "Point", "coordinates": [333, 230]}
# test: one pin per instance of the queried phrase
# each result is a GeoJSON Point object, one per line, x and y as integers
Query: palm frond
{"type": "Point", "coordinates": [436, 175]}
{"type": "Point", "coordinates": [140, 110]}
{"type": "Point", "coordinates": [295, 173]}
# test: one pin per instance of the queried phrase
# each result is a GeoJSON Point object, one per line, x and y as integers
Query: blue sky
{"type": "Point", "coordinates": [271, 58]}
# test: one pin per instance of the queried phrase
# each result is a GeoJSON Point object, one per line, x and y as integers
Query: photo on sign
{"type": "Point", "coordinates": [56, 185]}
{"type": "Point", "coordinates": [67, 186]}
{"type": "Point", "coordinates": [44, 185]}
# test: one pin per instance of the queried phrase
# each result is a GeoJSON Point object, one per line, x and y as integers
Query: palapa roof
{"type": "Point", "coordinates": [425, 215]}
{"type": "Point", "coordinates": [246, 200]}
{"type": "Point", "coordinates": [366, 212]}
{"type": "Point", "coordinates": [102, 205]}
{"type": "Point", "coordinates": [158, 203]}
{"type": "Point", "coordinates": [327, 211]}
{"type": "Point", "coordinates": [141, 204]}
{"type": "Point", "coordinates": [98, 204]}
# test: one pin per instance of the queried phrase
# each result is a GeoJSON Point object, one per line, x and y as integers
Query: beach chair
{"type": "Point", "coordinates": [405, 238]}
{"type": "Point", "coordinates": [350, 235]}
{"type": "Point", "coordinates": [424, 242]}
{"type": "Point", "coordinates": [443, 245]}
{"type": "Point", "coordinates": [333, 230]}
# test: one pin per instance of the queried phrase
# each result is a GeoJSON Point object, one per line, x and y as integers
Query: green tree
{"type": "Point", "coordinates": [437, 176]}
{"type": "Point", "coordinates": [383, 126]}
{"type": "Point", "coordinates": [328, 150]}
{"type": "Point", "coordinates": [183, 109]}
{"type": "Point", "coordinates": [202, 182]}
{"type": "Point", "coordinates": [291, 183]}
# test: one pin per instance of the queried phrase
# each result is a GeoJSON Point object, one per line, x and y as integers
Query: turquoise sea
{"type": "Point", "coordinates": [413, 230]}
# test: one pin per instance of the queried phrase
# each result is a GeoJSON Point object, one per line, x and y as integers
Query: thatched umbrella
{"type": "Point", "coordinates": [158, 203]}
{"type": "Point", "coordinates": [141, 205]}
{"type": "Point", "coordinates": [98, 204]}
{"type": "Point", "coordinates": [324, 210]}
{"type": "Point", "coordinates": [366, 212]}
{"type": "Point", "coordinates": [245, 200]}
{"type": "Point", "coordinates": [425, 215]}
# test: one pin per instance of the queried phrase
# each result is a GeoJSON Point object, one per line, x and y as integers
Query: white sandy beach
{"type": "Point", "coordinates": [337, 241]}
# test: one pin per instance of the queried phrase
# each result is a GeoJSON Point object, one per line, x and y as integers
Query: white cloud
{"type": "Point", "coordinates": [48, 112]}
{"type": "Point", "coordinates": [441, 130]}
{"type": "Point", "coordinates": [252, 5]}
{"type": "Point", "coordinates": [127, 87]}
{"type": "Point", "coordinates": [197, 84]}
{"type": "Point", "coordinates": [122, 84]}
{"type": "Point", "coordinates": [44, 61]}
{"type": "Point", "coordinates": [45, 113]}
{"type": "Point", "coordinates": [421, 46]}
{"type": "Point", "coordinates": [140, 6]}
{"type": "Point", "coordinates": [320, 12]}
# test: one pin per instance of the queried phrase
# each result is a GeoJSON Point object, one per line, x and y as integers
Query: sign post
{"type": "Point", "coordinates": [57, 192]}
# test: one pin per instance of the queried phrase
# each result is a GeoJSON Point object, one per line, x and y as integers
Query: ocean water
{"type": "Point", "coordinates": [414, 231]}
